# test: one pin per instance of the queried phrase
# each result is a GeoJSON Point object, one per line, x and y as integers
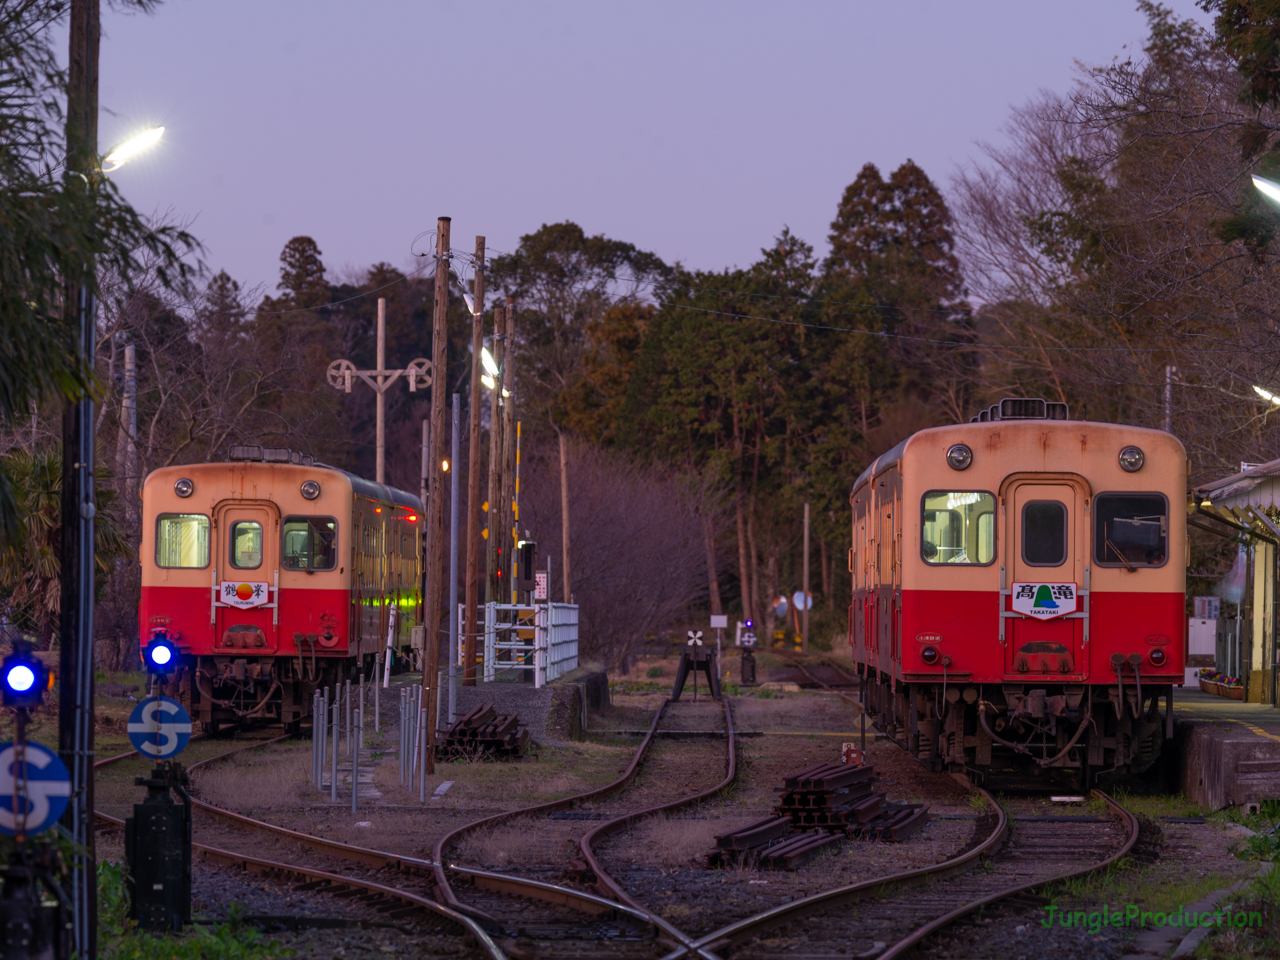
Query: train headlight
{"type": "Point", "coordinates": [929, 655]}
{"type": "Point", "coordinates": [1157, 657]}
{"type": "Point", "coordinates": [959, 457]}
{"type": "Point", "coordinates": [310, 489]}
{"type": "Point", "coordinates": [1131, 459]}
{"type": "Point", "coordinates": [184, 488]}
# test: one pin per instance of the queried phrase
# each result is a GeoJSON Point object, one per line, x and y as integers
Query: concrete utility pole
{"type": "Point", "coordinates": [435, 506]}
{"type": "Point", "coordinates": [509, 531]}
{"type": "Point", "coordinates": [1169, 371]}
{"type": "Point", "coordinates": [473, 476]}
{"type": "Point", "coordinates": [342, 374]}
{"type": "Point", "coordinates": [75, 625]}
{"type": "Point", "coordinates": [804, 607]}
{"type": "Point", "coordinates": [127, 440]}
{"type": "Point", "coordinates": [564, 521]}
{"type": "Point", "coordinates": [493, 527]}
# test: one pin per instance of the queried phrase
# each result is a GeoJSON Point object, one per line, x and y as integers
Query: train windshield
{"type": "Point", "coordinates": [246, 545]}
{"type": "Point", "coordinates": [310, 543]}
{"type": "Point", "coordinates": [182, 540]}
{"type": "Point", "coordinates": [1130, 529]}
{"type": "Point", "coordinates": [959, 527]}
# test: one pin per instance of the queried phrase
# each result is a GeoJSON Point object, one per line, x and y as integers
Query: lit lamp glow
{"type": "Point", "coordinates": [138, 144]}
{"type": "Point", "coordinates": [1267, 395]}
{"type": "Point", "coordinates": [1268, 188]}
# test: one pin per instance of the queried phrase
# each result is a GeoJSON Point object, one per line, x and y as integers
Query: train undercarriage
{"type": "Point", "coordinates": [980, 729]}
{"type": "Point", "coordinates": [234, 691]}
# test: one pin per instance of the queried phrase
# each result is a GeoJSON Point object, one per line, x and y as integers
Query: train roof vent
{"type": "Point", "coordinates": [300, 458]}
{"type": "Point", "coordinates": [245, 451]}
{"type": "Point", "coordinates": [1023, 408]}
{"type": "Point", "coordinates": [276, 454]}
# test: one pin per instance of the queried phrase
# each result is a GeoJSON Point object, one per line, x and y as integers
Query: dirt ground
{"type": "Point", "coordinates": [662, 860]}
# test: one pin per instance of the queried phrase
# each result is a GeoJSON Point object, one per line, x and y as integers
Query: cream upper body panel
{"type": "Point", "coordinates": [1083, 454]}
{"type": "Point", "coordinates": [215, 485]}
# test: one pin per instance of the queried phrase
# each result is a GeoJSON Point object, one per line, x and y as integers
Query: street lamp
{"type": "Point", "coordinates": [136, 145]}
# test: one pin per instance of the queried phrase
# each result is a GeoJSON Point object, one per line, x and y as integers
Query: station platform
{"type": "Point", "coordinates": [1228, 751]}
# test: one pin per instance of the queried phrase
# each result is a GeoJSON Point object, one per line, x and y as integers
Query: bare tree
{"type": "Point", "coordinates": [639, 559]}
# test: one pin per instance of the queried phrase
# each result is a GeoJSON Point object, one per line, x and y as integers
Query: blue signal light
{"type": "Point", "coordinates": [160, 654]}
{"type": "Point", "coordinates": [23, 677]}
{"type": "Point", "coordinates": [20, 678]}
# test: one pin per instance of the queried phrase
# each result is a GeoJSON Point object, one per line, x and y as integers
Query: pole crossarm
{"type": "Point", "coordinates": [342, 374]}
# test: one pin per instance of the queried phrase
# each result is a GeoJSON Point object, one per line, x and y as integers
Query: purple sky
{"type": "Point", "coordinates": [692, 129]}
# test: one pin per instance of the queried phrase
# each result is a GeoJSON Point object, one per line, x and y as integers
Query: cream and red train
{"type": "Point", "coordinates": [272, 575]}
{"type": "Point", "coordinates": [1019, 591]}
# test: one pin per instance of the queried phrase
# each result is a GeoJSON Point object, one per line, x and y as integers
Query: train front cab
{"type": "Point", "coordinates": [944, 555]}
{"type": "Point", "coordinates": [273, 579]}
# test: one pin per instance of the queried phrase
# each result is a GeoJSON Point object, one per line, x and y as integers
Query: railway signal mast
{"type": "Point", "coordinates": [343, 373]}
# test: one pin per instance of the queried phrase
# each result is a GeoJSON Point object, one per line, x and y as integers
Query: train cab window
{"type": "Point", "coordinates": [246, 545]}
{"type": "Point", "coordinates": [959, 527]}
{"type": "Point", "coordinates": [182, 540]}
{"type": "Point", "coordinates": [1130, 529]}
{"type": "Point", "coordinates": [1044, 533]}
{"type": "Point", "coordinates": [310, 543]}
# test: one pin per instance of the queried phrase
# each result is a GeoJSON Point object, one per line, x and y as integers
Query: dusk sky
{"type": "Point", "coordinates": [695, 130]}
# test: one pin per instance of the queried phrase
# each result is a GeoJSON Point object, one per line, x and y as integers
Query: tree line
{"type": "Point", "coordinates": [1112, 246]}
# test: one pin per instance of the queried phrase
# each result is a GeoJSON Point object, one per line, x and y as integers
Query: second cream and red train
{"type": "Point", "coordinates": [1019, 591]}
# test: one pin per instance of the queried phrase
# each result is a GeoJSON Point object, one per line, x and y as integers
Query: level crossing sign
{"type": "Point", "coordinates": [34, 793]}
{"type": "Point", "coordinates": [695, 638]}
{"type": "Point", "coordinates": [159, 728]}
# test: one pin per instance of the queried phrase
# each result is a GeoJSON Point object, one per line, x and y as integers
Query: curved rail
{"type": "Point", "coordinates": [612, 826]}
{"type": "Point", "coordinates": [909, 941]}
{"type": "Point", "coordinates": [574, 899]}
{"type": "Point", "coordinates": [322, 879]}
{"type": "Point", "coordinates": [449, 839]}
{"type": "Point", "coordinates": [787, 912]}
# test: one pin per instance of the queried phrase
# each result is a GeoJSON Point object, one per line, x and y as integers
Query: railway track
{"type": "Point", "coordinates": [396, 902]}
{"type": "Point", "coordinates": [886, 917]}
{"type": "Point", "coordinates": [504, 899]}
{"type": "Point", "coordinates": [576, 919]}
{"type": "Point", "coordinates": [894, 914]}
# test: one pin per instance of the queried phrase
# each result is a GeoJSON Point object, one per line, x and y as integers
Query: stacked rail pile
{"type": "Point", "coordinates": [830, 795]}
{"type": "Point", "coordinates": [828, 803]}
{"type": "Point", "coordinates": [483, 733]}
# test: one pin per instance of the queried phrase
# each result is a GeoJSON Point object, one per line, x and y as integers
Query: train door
{"type": "Point", "coordinates": [1048, 543]}
{"type": "Point", "coordinates": [886, 544]}
{"type": "Point", "coordinates": [246, 542]}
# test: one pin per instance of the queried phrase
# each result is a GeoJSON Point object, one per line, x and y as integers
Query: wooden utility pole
{"type": "Point", "coordinates": [805, 603]}
{"type": "Point", "coordinates": [493, 523]}
{"type": "Point", "coordinates": [473, 477]}
{"type": "Point", "coordinates": [564, 519]}
{"type": "Point", "coordinates": [509, 532]}
{"type": "Point", "coordinates": [435, 490]}
{"type": "Point", "coordinates": [75, 626]}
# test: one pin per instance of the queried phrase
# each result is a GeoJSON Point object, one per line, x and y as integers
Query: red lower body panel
{"type": "Point", "coordinates": [965, 626]}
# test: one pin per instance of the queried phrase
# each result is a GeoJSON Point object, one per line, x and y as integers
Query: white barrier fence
{"type": "Point", "coordinates": [549, 646]}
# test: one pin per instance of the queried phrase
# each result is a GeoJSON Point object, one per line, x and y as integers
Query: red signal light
{"type": "Point", "coordinates": [377, 509]}
{"type": "Point", "coordinates": [413, 518]}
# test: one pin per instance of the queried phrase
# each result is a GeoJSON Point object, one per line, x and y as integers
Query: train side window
{"type": "Point", "coordinates": [959, 527]}
{"type": "Point", "coordinates": [246, 545]}
{"type": "Point", "coordinates": [1130, 529]}
{"type": "Point", "coordinates": [309, 543]}
{"type": "Point", "coordinates": [1044, 533]}
{"type": "Point", "coordinates": [182, 540]}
